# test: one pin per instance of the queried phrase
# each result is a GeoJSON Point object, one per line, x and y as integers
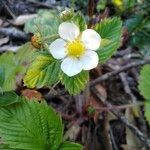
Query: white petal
{"type": "Point", "coordinates": [91, 39]}
{"type": "Point", "coordinates": [89, 60]}
{"type": "Point", "coordinates": [71, 66]}
{"type": "Point", "coordinates": [57, 49]}
{"type": "Point", "coordinates": [68, 31]}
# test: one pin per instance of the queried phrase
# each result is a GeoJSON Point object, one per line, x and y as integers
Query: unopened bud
{"type": "Point", "coordinates": [37, 41]}
{"type": "Point", "coordinates": [66, 14]}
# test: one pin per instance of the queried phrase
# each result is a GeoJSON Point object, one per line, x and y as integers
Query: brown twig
{"type": "Point", "coordinates": [67, 117]}
{"type": "Point", "coordinates": [127, 87]}
{"type": "Point", "coordinates": [133, 99]}
{"type": "Point", "coordinates": [129, 92]}
{"type": "Point", "coordinates": [135, 130]}
{"type": "Point", "coordinates": [91, 6]}
{"type": "Point", "coordinates": [114, 107]}
{"type": "Point", "coordinates": [106, 133]}
{"type": "Point", "coordinates": [113, 139]}
{"type": "Point", "coordinates": [113, 73]}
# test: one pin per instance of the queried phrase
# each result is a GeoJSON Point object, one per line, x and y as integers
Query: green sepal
{"type": "Point", "coordinates": [79, 20]}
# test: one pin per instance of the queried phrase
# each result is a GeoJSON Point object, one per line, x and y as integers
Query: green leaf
{"type": "Point", "coordinates": [79, 20]}
{"type": "Point", "coordinates": [46, 23]}
{"type": "Point", "coordinates": [2, 76]}
{"type": "Point", "coordinates": [76, 83]}
{"type": "Point", "coordinates": [139, 28]}
{"type": "Point", "coordinates": [144, 82]}
{"type": "Point", "coordinates": [13, 65]}
{"type": "Point", "coordinates": [105, 42]}
{"type": "Point", "coordinates": [55, 129]}
{"type": "Point", "coordinates": [24, 54]}
{"type": "Point", "coordinates": [5, 147]}
{"type": "Point", "coordinates": [145, 50]}
{"type": "Point", "coordinates": [129, 4]}
{"type": "Point", "coordinates": [8, 98]}
{"type": "Point", "coordinates": [147, 112]}
{"type": "Point", "coordinates": [30, 125]}
{"type": "Point", "coordinates": [44, 71]}
{"type": "Point", "coordinates": [9, 69]}
{"type": "Point", "coordinates": [134, 22]}
{"type": "Point", "coordinates": [50, 39]}
{"type": "Point", "coordinates": [124, 5]}
{"type": "Point", "coordinates": [109, 30]}
{"type": "Point", "coordinates": [101, 5]}
{"type": "Point", "coordinates": [70, 146]}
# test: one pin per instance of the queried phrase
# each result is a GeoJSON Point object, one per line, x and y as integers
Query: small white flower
{"type": "Point", "coordinates": [75, 49]}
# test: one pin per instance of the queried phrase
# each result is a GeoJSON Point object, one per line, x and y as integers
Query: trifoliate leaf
{"type": "Point", "coordinates": [8, 98]}
{"type": "Point", "coordinates": [44, 71]}
{"type": "Point", "coordinates": [109, 30]}
{"type": "Point", "coordinates": [70, 146]}
{"type": "Point", "coordinates": [79, 20]}
{"type": "Point", "coordinates": [30, 125]}
{"type": "Point", "coordinates": [144, 82]}
{"type": "Point", "coordinates": [76, 83]}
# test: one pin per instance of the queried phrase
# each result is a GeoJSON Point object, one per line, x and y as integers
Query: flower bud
{"type": "Point", "coordinates": [66, 14]}
{"type": "Point", "coordinates": [37, 41]}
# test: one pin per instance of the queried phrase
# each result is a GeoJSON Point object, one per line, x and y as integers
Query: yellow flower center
{"type": "Point", "coordinates": [75, 48]}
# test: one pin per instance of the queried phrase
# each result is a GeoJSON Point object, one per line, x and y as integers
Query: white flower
{"type": "Point", "coordinates": [75, 49]}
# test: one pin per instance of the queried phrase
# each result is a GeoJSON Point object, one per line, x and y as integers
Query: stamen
{"type": "Point", "coordinates": [75, 48]}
